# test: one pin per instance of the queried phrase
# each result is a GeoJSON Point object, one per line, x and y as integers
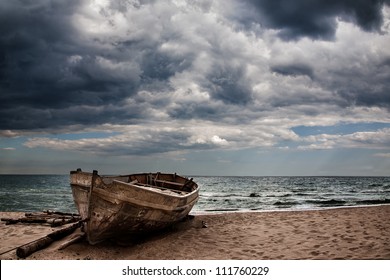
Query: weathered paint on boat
{"type": "Point", "coordinates": [117, 207]}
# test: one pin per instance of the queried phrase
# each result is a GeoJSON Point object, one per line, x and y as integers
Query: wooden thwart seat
{"type": "Point", "coordinates": [169, 183]}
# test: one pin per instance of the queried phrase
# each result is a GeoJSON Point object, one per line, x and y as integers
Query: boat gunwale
{"type": "Point", "coordinates": [154, 190]}
{"type": "Point", "coordinates": [102, 186]}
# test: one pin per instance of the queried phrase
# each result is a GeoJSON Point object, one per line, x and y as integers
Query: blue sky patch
{"type": "Point", "coordinates": [339, 129]}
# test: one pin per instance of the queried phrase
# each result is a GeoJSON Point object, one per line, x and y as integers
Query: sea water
{"type": "Point", "coordinates": [294, 193]}
{"type": "Point", "coordinates": [217, 193]}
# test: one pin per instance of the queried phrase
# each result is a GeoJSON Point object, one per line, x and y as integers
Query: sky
{"type": "Point", "coordinates": [233, 87]}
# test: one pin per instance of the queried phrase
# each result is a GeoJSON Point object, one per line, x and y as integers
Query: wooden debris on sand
{"type": "Point", "coordinates": [31, 247]}
{"type": "Point", "coordinates": [72, 240]}
{"type": "Point", "coordinates": [52, 218]}
{"type": "Point", "coordinates": [49, 218]}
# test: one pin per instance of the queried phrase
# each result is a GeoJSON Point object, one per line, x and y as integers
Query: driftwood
{"type": "Point", "coordinates": [71, 241]}
{"type": "Point", "coordinates": [51, 218]}
{"type": "Point", "coordinates": [61, 221]}
{"type": "Point", "coordinates": [25, 250]}
{"type": "Point", "coordinates": [31, 247]}
{"type": "Point", "coordinates": [60, 213]}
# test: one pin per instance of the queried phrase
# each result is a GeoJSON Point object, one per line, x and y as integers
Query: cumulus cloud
{"type": "Point", "coordinates": [316, 19]}
{"type": "Point", "coordinates": [186, 75]}
{"type": "Point", "coordinates": [379, 139]}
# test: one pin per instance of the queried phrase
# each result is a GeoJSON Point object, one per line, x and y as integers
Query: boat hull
{"type": "Point", "coordinates": [118, 208]}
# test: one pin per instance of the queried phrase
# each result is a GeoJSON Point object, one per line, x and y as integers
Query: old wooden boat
{"type": "Point", "coordinates": [117, 207]}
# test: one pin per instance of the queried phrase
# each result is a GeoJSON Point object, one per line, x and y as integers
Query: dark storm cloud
{"type": "Point", "coordinates": [64, 64]}
{"type": "Point", "coordinates": [159, 66]}
{"type": "Point", "coordinates": [352, 84]}
{"type": "Point", "coordinates": [193, 110]}
{"type": "Point", "coordinates": [228, 84]}
{"type": "Point", "coordinates": [317, 18]}
{"type": "Point", "coordinates": [51, 75]}
{"type": "Point", "coordinates": [293, 70]}
{"type": "Point", "coordinates": [33, 37]}
{"type": "Point", "coordinates": [364, 84]}
{"type": "Point", "coordinates": [363, 90]}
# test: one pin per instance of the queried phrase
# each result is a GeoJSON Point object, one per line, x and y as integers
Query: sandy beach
{"type": "Point", "coordinates": [340, 233]}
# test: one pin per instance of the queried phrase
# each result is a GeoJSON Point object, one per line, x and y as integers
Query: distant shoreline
{"type": "Point", "coordinates": [212, 212]}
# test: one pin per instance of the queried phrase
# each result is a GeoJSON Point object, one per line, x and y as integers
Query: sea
{"type": "Point", "coordinates": [29, 193]}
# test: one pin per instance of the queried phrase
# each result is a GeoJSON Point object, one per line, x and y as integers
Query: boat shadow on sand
{"type": "Point", "coordinates": [141, 246]}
